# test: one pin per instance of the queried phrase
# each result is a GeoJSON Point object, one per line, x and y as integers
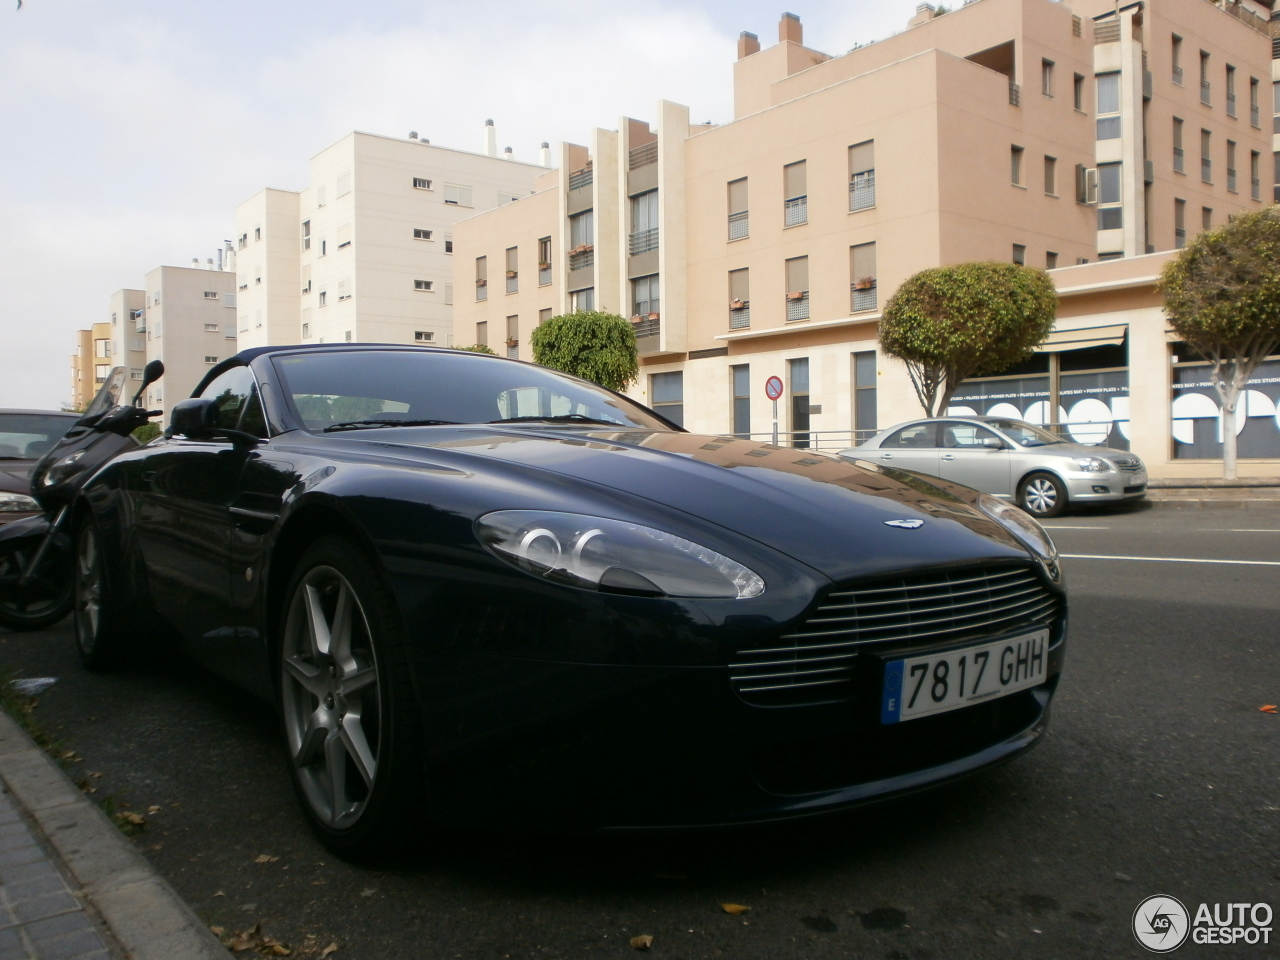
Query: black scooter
{"type": "Point", "coordinates": [37, 572]}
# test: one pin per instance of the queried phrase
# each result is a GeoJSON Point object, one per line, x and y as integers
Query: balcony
{"type": "Point", "coordinates": [1179, 160]}
{"type": "Point", "coordinates": [544, 276]}
{"type": "Point", "coordinates": [642, 241]}
{"type": "Point", "coordinates": [796, 211]}
{"type": "Point", "coordinates": [1205, 89]}
{"type": "Point", "coordinates": [798, 305]}
{"type": "Point", "coordinates": [581, 178]}
{"type": "Point", "coordinates": [1015, 94]}
{"type": "Point", "coordinates": [513, 282]}
{"type": "Point", "coordinates": [864, 296]}
{"type": "Point", "coordinates": [1177, 75]}
{"type": "Point", "coordinates": [1206, 171]}
{"type": "Point", "coordinates": [862, 191]}
{"type": "Point", "coordinates": [582, 258]}
{"type": "Point", "coordinates": [643, 155]}
{"type": "Point", "coordinates": [740, 317]}
{"type": "Point", "coordinates": [739, 228]}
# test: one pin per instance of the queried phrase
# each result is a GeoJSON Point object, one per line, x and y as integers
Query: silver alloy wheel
{"type": "Point", "coordinates": [1041, 495]}
{"type": "Point", "coordinates": [331, 697]}
{"type": "Point", "coordinates": [88, 589]}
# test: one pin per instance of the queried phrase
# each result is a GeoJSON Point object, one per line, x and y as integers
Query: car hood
{"type": "Point", "coordinates": [1077, 450]}
{"type": "Point", "coordinates": [15, 476]}
{"type": "Point", "coordinates": [826, 512]}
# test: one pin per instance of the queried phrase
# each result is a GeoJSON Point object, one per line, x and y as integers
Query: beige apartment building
{"type": "Point", "coordinates": [110, 344]}
{"type": "Point", "coordinates": [90, 364]}
{"type": "Point", "coordinates": [365, 251]}
{"type": "Point", "coordinates": [1086, 137]}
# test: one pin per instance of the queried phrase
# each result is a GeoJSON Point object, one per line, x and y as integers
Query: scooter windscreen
{"type": "Point", "coordinates": [108, 396]}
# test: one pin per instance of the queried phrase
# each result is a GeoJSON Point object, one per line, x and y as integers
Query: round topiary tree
{"type": "Point", "coordinates": [1222, 296]}
{"type": "Point", "coordinates": [969, 320]}
{"type": "Point", "coordinates": [600, 347]}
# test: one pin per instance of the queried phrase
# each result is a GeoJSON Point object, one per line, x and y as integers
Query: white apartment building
{"type": "Point", "coordinates": [364, 252]}
{"type": "Point", "coordinates": [128, 347]}
{"type": "Point", "coordinates": [189, 323]}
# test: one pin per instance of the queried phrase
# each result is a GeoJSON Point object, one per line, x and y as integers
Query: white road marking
{"type": "Point", "coordinates": [1246, 563]}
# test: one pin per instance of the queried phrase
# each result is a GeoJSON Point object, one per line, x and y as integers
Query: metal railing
{"type": "Point", "coordinates": [1205, 89]}
{"type": "Point", "coordinates": [643, 155]}
{"type": "Point", "coordinates": [1231, 181]}
{"type": "Point", "coordinates": [1177, 75]}
{"type": "Point", "coordinates": [864, 298]}
{"type": "Point", "coordinates": [796, 211]}
{"type": "Point", "coordinates": [1247, 17]}
{"type": "Point", "coordinates": [513, 284]}
{"type": "Point", "coordinates": [862, 190]}
{"type": "Point", "coordinates": [1179, 239]}
{"type": "Point", "coordinates": [738, 225]}
{"type": "Point", "coordinates": [1179, 160]}
{"type": "Point", "coordinates": [1255, 189]}
{"type": "Point", "coordinates": [740, 319]}
{"type": "Point", "coordinates": [824, 441]}
{"type": "Point", "coordinates": [581, 178]}
{"type": "Point", "coordinates": [642, 241]}
{"type": "Point", "coordinates": [1108, 31]}
{"type": "Point", "coordinates": [581, 261]}
{"type": "Point", "coordinates": [798, 309]}
{"type": "Point", "coordinates": [647, 327]}
{"type": "Point", "coordinates": [544, 276]}
{"type": "Point", "coordinates": [1206, 170]}
{"type": "Point", "coordinates": [1231, 105]}
{"type": "Point", "coordinates": [1015, 94]}
{"type": "Point", "coordinates": [482, 291]}
{"type": "Point", "coordinates": [1255, 116]}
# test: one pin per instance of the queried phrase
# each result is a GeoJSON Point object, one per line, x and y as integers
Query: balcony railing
{"type": "Point", "coordinates": [1246, 17]}
{"type": "Point", "coordinates": [1179, 238]}
{"type": "Point", "coordinates": [642, 241]}
{"type": "Point", "coordinates": [643, 155]}
{"type": "Point", "coordinates": [1254, 115]}
{"type": "Point", "coordinates": [864, 298]}
{"type": "Point", "coordinates": [513, 284]}
{"type": "Point", "coordinates": [1206, 171]}
{"type": "Point", "coordinates": [1231, 105]}
{"type": "Point", "coordinates": [862, 191]}
{"type": "Point", "coordinates": [1177, 75]}
{"type": "Point", "coordinates": [740, 319]}
{"type": "Point", "coordinates": [798, 309]}
{"type": "Point", "coordinates": [1108, 31]}
{"type": "Point", "coordinates": [738, 225]}
{"type": "Point", "coordinates": [647, 328]}
{"type": "Point", "coordinates": [583, 260]}
{"type": "Point", "coordinates": [581, 178]}
{"type": "Point", "coordinates": [796, 211]}
{"type": "Point", "coordinates": [1275, 124]}
{"type": "Point", "coordinates": [1015, 94]}
{"type": "Point", "coordinates": [1255, 189]}
{"type": "Point", "coordinates": [544, 276]}
{"type": "Point", "coordinates": [1179, 160]}
{"type": "Point", "coordinates": [1205, 89]}
{"type": "Point", "coordinates": [1231, 181]}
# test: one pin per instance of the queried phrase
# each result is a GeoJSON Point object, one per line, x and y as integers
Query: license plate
{"type": "Point", "coordinates": [923, 686]}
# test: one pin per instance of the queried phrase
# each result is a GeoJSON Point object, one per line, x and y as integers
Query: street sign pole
{"type": "Point", "coordinates": [773, 390]}
{"type": "Point", "coordinates": [775, 423]}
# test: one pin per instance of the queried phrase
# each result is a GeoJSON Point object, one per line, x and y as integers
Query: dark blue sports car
{"type": "Point", "coordinates": [482, 591]}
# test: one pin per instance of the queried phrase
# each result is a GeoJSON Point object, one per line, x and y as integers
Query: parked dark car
{"type": "Point", "coordinates": [484, 592]}
{"type": "Point", "coordinates": [25, 437]}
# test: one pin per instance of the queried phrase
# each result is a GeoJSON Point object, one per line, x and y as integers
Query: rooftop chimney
{"type": "Point", "coordinates": [789, 29]}
{"type": "Point", "coordinates": [507, 154]}
{"type": "Point", "coordinates": [490, 139]}
{"type": "Point", "coordinates": [413, 134]}
{"type": "Point", "coordinates": [209, 263]}
{"type": "Point", "coordinates": [195, 263]}
{"type": "Point", "coordinates": [544, 154]}
{"type": "Point", "coordinates": [748, 43]}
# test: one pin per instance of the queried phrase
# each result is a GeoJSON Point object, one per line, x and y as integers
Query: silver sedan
{"type": "Point", "coordinates": [1010, 459]}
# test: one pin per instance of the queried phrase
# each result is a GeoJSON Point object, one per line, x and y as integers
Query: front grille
{"type": "Point", "coordinates": [1136, 488]}
{"type": "Point", "coordinates": [815, 662]}
{"type": "Point", "coordinates": [1128, 464]}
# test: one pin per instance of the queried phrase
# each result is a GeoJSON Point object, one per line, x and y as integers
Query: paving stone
{"type": "Point", "coordinates": [52, 927]}
{"type": "Point", "coordinates": [72, 945]}
{"type": "Point", "coordinates": [28, 871]}
{"type": "Point", "coordinates": [16, 856]}
{"type": "Point", "coordinates": [49, 905]}
{"type": "Point", "coordinates": [25, 889]}
{"type": "Point", "coordinates": [11, 946]}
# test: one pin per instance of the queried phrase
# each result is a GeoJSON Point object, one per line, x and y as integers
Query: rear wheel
{"type": "Point", "coordinates": [349, 715]}
{"type": "Point", "coordinates": [97, 618]}
{"type": "Point", "coordinates": [45, 597]}
{"type": "Point", "coordinates": [1042, 495]}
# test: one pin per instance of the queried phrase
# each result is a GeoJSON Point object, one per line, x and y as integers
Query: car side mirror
{"type": "Point", "coordinates": [196, 419]}
{"type": "Point", "coordinates": [992, 443]}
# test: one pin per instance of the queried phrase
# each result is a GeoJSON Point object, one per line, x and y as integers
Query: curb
{"type": "Point", "coordinates": [143, 913]}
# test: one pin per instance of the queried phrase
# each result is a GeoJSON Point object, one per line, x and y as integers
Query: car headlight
{"type": "Point", "coordinates": [17, 503]}
{"type": "Point", "coordinates": [1092, 465]}
{"type": "Point", "coordinates": [1025, 527]}
{"type": "Point", "coordinates": [613, 556]}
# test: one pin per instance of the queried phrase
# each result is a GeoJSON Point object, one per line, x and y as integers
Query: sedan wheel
{"type": "Point", "coordinates": [1043, 495]}
{"type": "Point", "coordinates": [96, 633]}
{"type": "Point", "coordinates": [348, 727]}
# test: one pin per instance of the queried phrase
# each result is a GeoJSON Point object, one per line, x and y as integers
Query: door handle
{"type": "Point", "coordinates": [148, 476]}
{"type": "Point", "coordinates": [948, 456]}
{"type": "Point", "coordinates": [886, 456]}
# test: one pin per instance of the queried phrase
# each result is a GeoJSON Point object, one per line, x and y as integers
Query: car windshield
{"type": "Point", "coordinates": [28, 436]}
{"type": "Point", "coordinates": [1027, 434]}
{"type": "Point", "coordinates": [381, 387]}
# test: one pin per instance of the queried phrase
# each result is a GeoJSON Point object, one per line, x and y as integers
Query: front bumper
{"type": "Point", "coordinates": [1110, 487]}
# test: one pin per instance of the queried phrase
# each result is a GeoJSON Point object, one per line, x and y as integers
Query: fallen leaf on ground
{"type": "Point", "coordinates": [642, 942]}
{"type": "Point", "coordinates": [1268, 708]}
{"type": "Point", "coordinates": [72, 756]}
{"type": "Point", "coordinates": [368, 891]}
{"type": "Point", "coordinates": [136, 819]}
{"type": "Point", "coordinates": [218, 931]}
{"type": "Point", "coordinates": [331, 948]}
{"type": "Point", "coordinates": [265, 858]}
{"type": "Point", "coordinates": [734, 908]}
{"type": "Point", "coordinates": [219, 894]}
{"type": "Point", "coordinates": [154, 808]}
{"type": "Point", "coordinates": [95, 775]}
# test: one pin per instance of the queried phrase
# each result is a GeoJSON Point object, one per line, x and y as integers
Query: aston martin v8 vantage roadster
{"type": "Point", "coordinates": [480, 591]}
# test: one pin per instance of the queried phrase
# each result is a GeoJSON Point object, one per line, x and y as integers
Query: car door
{"type": "Point", "coordinates": [184, 489]}
{"type": "Point", "coordinates": [913, 447]}
{"type": "Point", "coordinates": [973, 455]}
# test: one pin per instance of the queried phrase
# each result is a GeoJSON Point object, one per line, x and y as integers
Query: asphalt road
{"type": "Point", "coordinates": [1159, 775]}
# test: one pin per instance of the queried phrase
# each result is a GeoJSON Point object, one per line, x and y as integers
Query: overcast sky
{"type": "Point", "coordinates": [130, 129]}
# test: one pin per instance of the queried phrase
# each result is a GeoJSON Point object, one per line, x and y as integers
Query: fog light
{"type": "Point", "coordinates": [1098, 489]}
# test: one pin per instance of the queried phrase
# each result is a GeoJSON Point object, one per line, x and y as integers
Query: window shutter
{"type": "Point", "coordinates": [344, 185]}
{"type": "Point", "coordinates": [739, 285]}
{"type": "Point", "coordinates": [738, 196]}
{"type": "Point", "coordinates": [862, 260]}
{"type": "Point", "coordinates": [795, 180]}
{"type": "Point", "coordinates": [862, 157]}
{"type": "Point", "coordinates": [797, 274]}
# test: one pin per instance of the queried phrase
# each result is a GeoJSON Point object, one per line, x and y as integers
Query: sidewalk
{"type": "Point", "coordinates": [72, 887]}
{"type": "Point", "coordinates": [1216, 492]}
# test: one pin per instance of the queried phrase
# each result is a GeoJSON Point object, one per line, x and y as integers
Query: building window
{"type": "Point", "coordinates": [1255, 175]}
{"type": "Point", "coordinates": [544, 261]}
{"type": "Point", "coordinates": [1015, 165]}
{"type": "Point", "coordinates": [344, 235]}
{"type": "Point", "coordinates": [211, 295]}
{"type": "Point", "coordinates": [1231, 91]}
{"type": "Point", "coordinates": [346, 336]}
{"type": "Point", "coordinates": [257, 234]}
{"type": "Point", "coordinates": [229, 332]}
{"type": "Point", "coordinates": [306, 234]}
{"type": "Point", "coordinates": [421, 183]}
{"type": "Point", "coordinates": [324, 248]}
{"type": "Point", "coordinates": [323, 297]}
{"type": "Point", "coordinates": [862, 277]}
{"type": "Point", "coordinates": [739, 299]}
{"type": "Point", "coordinates": [1108, 106]}
{"type": "Point", "coordinates": [448, 294]}
{"type": "Point", "coordinates": [795, 194]}
{"type": "Point", "coordinates": [210, 359]}
{"type": "Point", "coordinates": [1206, 162]}
{"type": "Point", "coordinates": [1110, 212]}
{"type": "Point", "coordinates": [342, 186]}
{"type": "Point", "coordinates": [1177, 59]}
{"type": "Point", "coordinates": [344, 290]}
{"type": "Point", "coordinates": [644, 222]}
{"type": "Point", "coordinates": [1050, 260]}
{"type": "Point", "coordinates": [1046, 77]}
{"type": "Point", "coordinates": [420, 234]}
{"type": "Point", "coordinates": [457, 194]}
{"type": "Point", "coordinates": [797, 276]}
{"type": "Point", "coordinates": [448, 243]}
{"type": "Point", "coordinates": [862, 176]}
{"type": "Point", "coordinates": [798, 374]}
{"type": "Point", "coordinates": [1179, 224]}
{"type": "Point", "coordinates": [582, 300]}
{"type": "Point", "coordinates": [135, 373]}
{"type": "Point", "coordinates": [1020, 254]}
{"type": "Point", "coordinates": [1231, 166]}
{"type": "Point", "coordinates": [211, 328]}
{"type": "Point", "coordinates": [482, 278]}
{"type": "Point", "coordinates": [1051, 176]}
{"type": "Point", "coordinates": [482, 333]}
{"type": "Point", "coordinates": [513, 337]}
{"type": "Point", "coordinates": [257, 318]}
{"type": "Point", "coordinates": [865, 419]}
{"type": "Point", "coordinates": [320, 195]}
{"type": "Point", "coordinates": [544, 315]}
{"type": "Point", "coordinates": [1254, 109]}
{"type": "Point", "coordinates": [582, 240]}
{"type": "Point", "coordinates": [419, 285]}
{"type": "Point", "coordinates": [667, 391]}
{"type": "Point", "coordinates": [740, 375]}
{"type": "Point", "coordinates": [511, 261]}
{"type": "Point", "coordinates": [1206, 218]}
{"type": "Point", "coordinates": [306, 331]}
{"type": "Point", "coordinates": [1179, 155]}
{"type": "Point", "coordinates": [644, 298]}
{"type": "Point", "coordinates": [739, 226]}
{"type": "Point", "coordinates": [1077, 91]}
{"type": "Point", "coordinates": [1205, 86]}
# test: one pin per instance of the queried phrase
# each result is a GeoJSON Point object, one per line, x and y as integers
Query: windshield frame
{"type": "Point", "coordinates": [646, 419]}
{"type": "Point", "coordinates": [1047, 438]}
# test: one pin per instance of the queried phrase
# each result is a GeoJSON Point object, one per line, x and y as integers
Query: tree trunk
{"type": "Point", "coordinates": [1229, 389]}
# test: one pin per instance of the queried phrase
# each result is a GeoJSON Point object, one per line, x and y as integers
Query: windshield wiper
{"type": "Point", "coordinates": [563, 418]}
{"type": "Point", "coordinates": [387, 422]}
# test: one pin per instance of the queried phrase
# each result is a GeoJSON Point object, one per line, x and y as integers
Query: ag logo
{"type": "Point", "coordinates": [1161, 924]}
{"type": "Point", "coordinates": [905, 524]}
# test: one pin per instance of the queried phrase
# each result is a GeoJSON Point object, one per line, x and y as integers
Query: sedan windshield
{"type": "Point", "coordinates": [350, 389]}
{"type": "Point", "coordinates": [26, 436]}
{"type": "Point", "coordinates": [1027, 434]}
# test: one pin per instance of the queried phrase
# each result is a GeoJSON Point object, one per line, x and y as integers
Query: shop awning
{"type": "Point", "coordinates": [1061, 340]}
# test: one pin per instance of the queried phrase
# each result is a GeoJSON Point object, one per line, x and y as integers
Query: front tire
{"type": "Point", "coordinates": [45, 599]}
{"type": "Point", "coordinates": [347, 706]}
{"type": "Point", "coordinates": [99, 634]}
{"type": "Point", "coordinates": [1042, 495]}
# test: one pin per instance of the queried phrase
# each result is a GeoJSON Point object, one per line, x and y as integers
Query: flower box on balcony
{"type": "Point", "coordinates": [544, 265]}
{"type": "Point", "coordinates": [513, 343]}
{"type": "Point", "coordinates": [511, 274]}
{"type": "Point", "coordinates": [482, 283]}
{"type": "Point", "coordinates": [653, 316]}
{"type": "Point", "coordinates": [864, 283]}
{"type": "Point", "coordinates": [796, 294]}
{"type": "Point", "coordinates": [636, 318]}
{"type": "Point", "coordinates": [581, 248]}
{"type": "Point", "coordinates": [738, 304]}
